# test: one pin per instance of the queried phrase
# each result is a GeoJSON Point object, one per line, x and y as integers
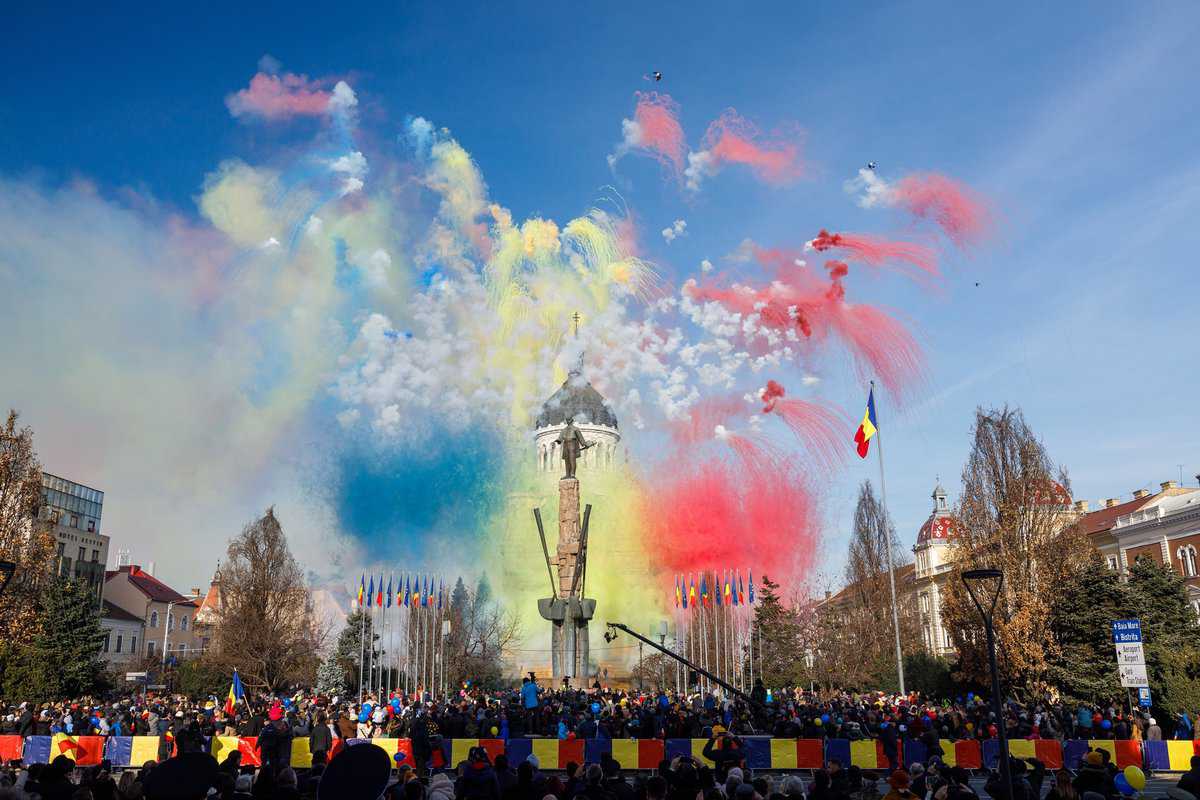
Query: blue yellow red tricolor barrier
{"type": "Point", "coordinates": [644, 754]}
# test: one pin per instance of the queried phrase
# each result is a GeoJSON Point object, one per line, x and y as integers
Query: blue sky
{"type": "Point", "coordinates": [1078, 121]}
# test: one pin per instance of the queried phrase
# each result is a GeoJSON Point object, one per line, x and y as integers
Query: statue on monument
{"type": "Point", "coordinates": [573, 443]}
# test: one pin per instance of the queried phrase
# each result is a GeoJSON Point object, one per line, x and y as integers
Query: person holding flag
{"type": "Point", "coordinates": [236, 694]}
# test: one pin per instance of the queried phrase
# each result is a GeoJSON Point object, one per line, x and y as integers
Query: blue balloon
{"type": "Point", "coordinates": [970, 695]}
{"type": "Point", "coordinates": [824, 718]}
{"type": "Point", "coordinates": [595, 708]}
{"type": "Point", "coordinates": [1122, 785]}
{"type": "Point", "coordinates": [1105, 724]}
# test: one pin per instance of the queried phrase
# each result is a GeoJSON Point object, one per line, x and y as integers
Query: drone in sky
{"type": "Point", "coordinates": [871, 165]}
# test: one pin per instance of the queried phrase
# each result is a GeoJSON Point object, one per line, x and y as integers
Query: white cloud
{"type": "Point", "coordinates": [675, 230]}
{"type": "Point", "coordinates": [875, 191]}
{"type": "Point", "coordinates": [700, 165]}
{"type": "Point", "coordinates": [706, 266]}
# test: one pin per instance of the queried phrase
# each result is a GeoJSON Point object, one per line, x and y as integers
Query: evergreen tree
{"type": "Point", "coordinates": [338, 674]}
{"type": "Point", "coordinates": [70, 640]}
{"type": "Point", "coordinates": [1170, 641]}
{"type": "Point", "coordinates": [1084, 666]}
{"type": "Point", "coordinates": [777, 633]}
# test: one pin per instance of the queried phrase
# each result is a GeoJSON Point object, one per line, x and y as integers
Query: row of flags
{"type": "Point", "coordinates": [413, 590]}
{"type": "Point", "coordinates": [726, 590]}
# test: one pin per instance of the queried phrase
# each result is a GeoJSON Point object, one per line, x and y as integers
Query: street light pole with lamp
{"type": "Point", "coordinates": [976, 580]}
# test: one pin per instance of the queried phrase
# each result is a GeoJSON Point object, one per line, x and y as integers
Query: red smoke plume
{"type": "Point", "coordinates": [661, 135]}
{"type": "Point", "coordinates": [877, 252]}
{"type": "Point", "coordinates": [816, 309]}
{"type": "Point", "coordinates": [748, 512]}
{"type": "Point", "coordinates": [732, 139]}
{"type": "Point", "coordinates": [958, 210]}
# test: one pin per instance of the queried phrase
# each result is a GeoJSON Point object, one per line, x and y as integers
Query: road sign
{"type": "Point", "coordinates": [136, 676]}
{"type": "Point", "coordinates": [1130, 653]}
{"type": "Point", "coordinates": [1127, 630]}
{"type": "Point", "coordinates": [1144, 696]}
{"type": "Point", "coordinates": [1133, 675]}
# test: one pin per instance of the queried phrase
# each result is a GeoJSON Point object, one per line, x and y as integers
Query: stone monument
{"type": "Point", "coordinates": [567, 610]}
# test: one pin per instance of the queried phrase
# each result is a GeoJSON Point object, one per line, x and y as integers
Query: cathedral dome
{"type": "Point", "coordinates": [576, 398]}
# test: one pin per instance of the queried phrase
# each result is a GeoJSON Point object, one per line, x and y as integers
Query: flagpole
{"type": "Point", "coordinates": [362, 641]}
{"type": "Point", "coordinates": [887, 533]}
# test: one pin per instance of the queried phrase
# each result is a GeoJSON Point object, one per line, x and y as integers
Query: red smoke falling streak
{"type": "Point", "coordinates": [657, 117]}
{"type": "Point", "coordinates": [958, 210]}
{"type": "Point", "coordinates": [816, 309]}
{"type": "Point", "coordinates": [820, 430]}
{"type": "Point", "coordinates": [732, 139]}
{"type": "Point", "coordinates": [877, 252]}
{"type": "Point", "coordinates": [749, 512]}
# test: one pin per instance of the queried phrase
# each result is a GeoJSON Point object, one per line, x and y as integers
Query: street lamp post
{"type": "Point", "coordinates": [977, 581]}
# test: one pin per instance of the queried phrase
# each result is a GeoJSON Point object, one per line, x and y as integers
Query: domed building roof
{"type": "Point", "coordinates": [941, 528]}
{"type": "Point", "coordinates": [578, 399]}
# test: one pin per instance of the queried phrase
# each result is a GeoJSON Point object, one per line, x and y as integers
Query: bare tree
{"type": "Point", "coordinates": [481, 634]}
{"type": "Point", "coordinates": [1015, 515]}
{"type": "Point", "coordinates": [857, 646]}
{"type": "Point", "coordinates": [24, 539]}
{"type": "Point", "coordinates": [266, 627]}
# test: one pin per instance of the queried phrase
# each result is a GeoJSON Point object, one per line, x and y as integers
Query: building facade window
{"type": "Point", "coordinates": [183, 623]}
{"type": "Point", "coordinates": [106, 635]}
{"type": "Point", "coordinates": [153, 620]}
{"type": "Point", "coordinates": [133, 644]}
{"type": "Point", "coordinates": [1112, 562]}
{"type": "Point", "coordinates": [1187, 560]}
{"type": "Point", "coordinates": [149, 648]}
{"type": "Point", "coordinates": [119, 637]}
{"type": "Point", "coordinates": [95, 556]}
{"type": "Point", "coordinates": [74, 520]}
{"type": "Point", "coordinates": [82, 554]}
{"type": "Point", "coordinates": [91, 526]}
{"type": "Point", "coordinates": [170, 621]}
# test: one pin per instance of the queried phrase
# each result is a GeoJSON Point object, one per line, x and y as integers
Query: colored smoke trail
{"type": "Point", "coordinates": [657, 115]}
{"type": "Point", "coordinates": [819, 429]}
{"type": "Point", "coordinates": [748, 511]}
{"type": "Point", "coordinates": [654, 131]}
{"type": "Point", "coordinates": [732, 139]}
{"type": "Point", "coordinates": [798, 303]}
{"type": "Point", "coordinates": [876, 251]}
{"type": "Point", "coordinates": [961, 214]}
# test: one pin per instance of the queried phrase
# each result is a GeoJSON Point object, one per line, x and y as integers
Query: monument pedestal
{"type": "Point", "coordinates": [569, 612]}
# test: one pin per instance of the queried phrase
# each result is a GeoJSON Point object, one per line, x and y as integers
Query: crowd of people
{"type": "Point", "coordinates": [335, 725]}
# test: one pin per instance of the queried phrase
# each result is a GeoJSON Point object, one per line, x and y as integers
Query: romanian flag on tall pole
{"type": "Point", "coordinates": [379, 597]}
{"type": "Point", "coordinates": [869, 426]}
{"type": "Point", "coordinates": [236, 693]}
{"type": "Point", "coordinates": [692, 591]}
{"type": "Point", "coordinates": [362, 588]}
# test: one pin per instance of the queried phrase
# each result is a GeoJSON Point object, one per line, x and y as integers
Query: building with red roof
{"type": "Point", "coordinates": [168, 616]}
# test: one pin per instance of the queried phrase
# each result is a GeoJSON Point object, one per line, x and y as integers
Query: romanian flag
{"type": "Point", "coordinates": [678, 593]}
{"type": "Point", "coordinates": [728, 592]}
{"type": "Point", "coordinates": [236, 693]}
{"type": "Point", "coordinates": [416, 592]}
{"type": "Point", "coordinates": [868, 428]}
{"type": "Point", "coordinates": [399, 592]}
{"type": "Point", "coordinates": [692, 592]}
{"type": "Point", "coordinates": [741, 590]}
{"type": "Point", "coordinates": [370, 591]}
{"type": "Point", "coordinates": [362, 587]}
{"type": "Point", "coordinates": [379, 597]}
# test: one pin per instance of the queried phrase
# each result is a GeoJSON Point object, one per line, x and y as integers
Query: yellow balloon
{"type": "Point", "coordinates": [1135, 776]}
